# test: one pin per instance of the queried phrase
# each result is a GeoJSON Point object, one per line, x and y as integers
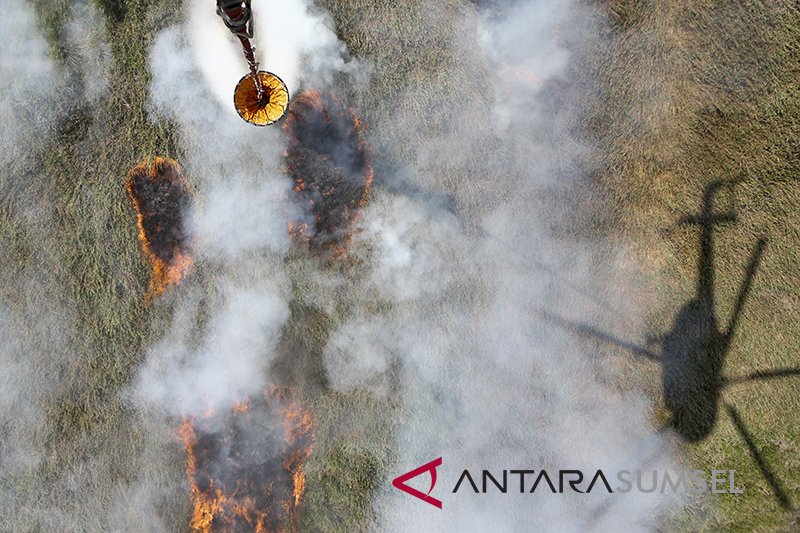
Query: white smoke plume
{"type": "Point", "coordinates": [243, 202]}
{"type": "Point", "coordinates": [293, 39]}
{"type": "Point", "coordinates": [486, 380]}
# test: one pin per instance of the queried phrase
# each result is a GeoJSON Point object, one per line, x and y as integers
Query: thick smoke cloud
{"type": "Point", "coordinates": [243, 203]}
{"type": "Point", "coordinates": [486, 380]}
{"type": "Point", "coordinates": [229, 365]}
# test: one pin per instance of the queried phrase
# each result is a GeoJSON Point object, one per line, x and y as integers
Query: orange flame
{"type": "Point", "coordinates": [159, 193]}
{"type": "Point", "coordinates": [329, 160]}
{"type": "Point", "coordinates": [237, 483]}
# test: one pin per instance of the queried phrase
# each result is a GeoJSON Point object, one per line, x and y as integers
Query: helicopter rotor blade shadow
{"type": "Point", "coordinates": [765, 374]}
{"type": "Point", "coordinates": [590, 331]}
{"type": "Point", "coordinates": [755, 453]}
{"type": "Point", "coordinates": [744, 290]}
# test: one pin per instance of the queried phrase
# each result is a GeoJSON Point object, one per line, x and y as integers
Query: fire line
{"type": "Point", "coordinates": [160, 196]}
{"type": "Point", "coordinates": [246, 466]}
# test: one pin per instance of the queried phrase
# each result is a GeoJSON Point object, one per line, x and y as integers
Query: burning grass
{"type": "Point", "coordinates": [160, 196]}
{"type": "Point", "coordinates": [328, 159]}
{"type": "Point", "coordinates": [245, 466]}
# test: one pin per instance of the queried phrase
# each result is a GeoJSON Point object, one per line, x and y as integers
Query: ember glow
{"type": "Point", "coordinates": [160, 196]}
{"type": "Point", "coordinates": [245, 467]}
{"type": "Point", "coordinates": [328, 159]}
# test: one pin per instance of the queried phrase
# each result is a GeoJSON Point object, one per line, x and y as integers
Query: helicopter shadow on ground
{"type": "Point", "coordinates": [692, 353]}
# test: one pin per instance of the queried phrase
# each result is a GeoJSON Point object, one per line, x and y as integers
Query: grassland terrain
{"type": "Point", "coordinates": [694, 94]}
{"type": "Point", "coordinates": [679, 98]}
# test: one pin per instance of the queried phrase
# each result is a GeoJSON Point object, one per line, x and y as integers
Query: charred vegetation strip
{"type": "Point", "coordinates": [329, 161]}
{"type": "Point", "coordinates": [161, 197]}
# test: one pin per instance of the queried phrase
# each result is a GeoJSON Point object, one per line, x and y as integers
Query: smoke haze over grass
{"type": "Point", "coordinates": [458, 336]}
{"type": "Point", "coordinates": [531, 160]}
{"type": "Point", "coordinates": [241, 225]}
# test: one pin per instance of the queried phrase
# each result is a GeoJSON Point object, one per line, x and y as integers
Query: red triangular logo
{"type": "Point", "coordinates": [400, 482]}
